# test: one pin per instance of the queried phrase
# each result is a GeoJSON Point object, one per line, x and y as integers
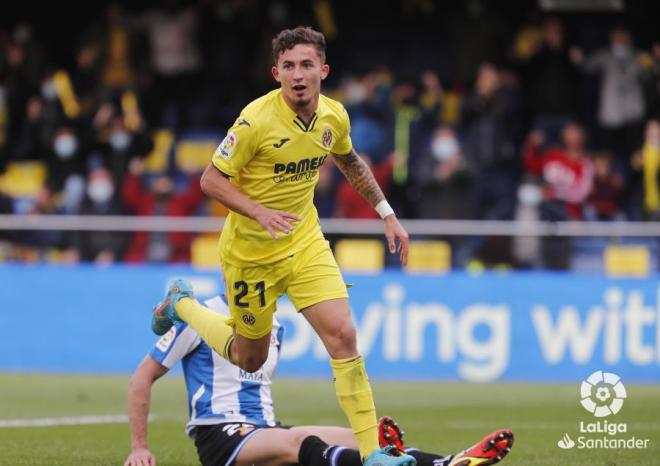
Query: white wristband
{"type": "Point", "coordinates": [384, 209]}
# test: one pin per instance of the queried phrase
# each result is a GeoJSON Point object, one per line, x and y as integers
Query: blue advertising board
{"type": "Point", "coordinates": [528, 327]}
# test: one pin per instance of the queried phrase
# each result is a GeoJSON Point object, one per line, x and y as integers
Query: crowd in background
{"type": "Point", "coordinates": [482, 120]}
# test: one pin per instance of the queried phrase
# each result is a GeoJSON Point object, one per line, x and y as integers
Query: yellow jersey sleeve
{"type": "Point", "coordinates": [344, 145]}
{"type": "Point", "coordinates": [238, 147]}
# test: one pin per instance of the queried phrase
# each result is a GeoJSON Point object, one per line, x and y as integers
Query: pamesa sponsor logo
{"type": "Point", "coordinates": [602, 394]}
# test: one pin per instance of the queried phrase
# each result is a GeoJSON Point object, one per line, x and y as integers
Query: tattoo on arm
{"type": "Point", "coordinates": [357, 173]}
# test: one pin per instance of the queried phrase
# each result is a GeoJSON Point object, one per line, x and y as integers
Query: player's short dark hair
{"type": "Point", "coordinates": [289, 38]}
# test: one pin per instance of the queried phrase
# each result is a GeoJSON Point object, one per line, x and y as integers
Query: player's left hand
{"type": "Point", "coordinates": [140, 457]}
{"type": "Point", "coordinates": [393, 232]}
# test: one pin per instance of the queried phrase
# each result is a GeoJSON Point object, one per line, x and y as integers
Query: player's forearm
{"type": "Point", "coordinates": [218, 187]}
{"type": "Point", "coordinates": [360, 176]}
{"type": "Point", "coordinates": [139, 397]}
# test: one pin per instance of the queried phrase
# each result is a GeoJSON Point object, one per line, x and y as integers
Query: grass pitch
{"type": "Point", "coordinates": [436, 417]}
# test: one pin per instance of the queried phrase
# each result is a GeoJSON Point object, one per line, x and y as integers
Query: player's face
{"type": "Point", "coordinates": [300, 72]}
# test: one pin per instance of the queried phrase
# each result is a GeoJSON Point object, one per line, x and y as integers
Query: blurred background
{"type": "Point", "coordinates": [518, 140]}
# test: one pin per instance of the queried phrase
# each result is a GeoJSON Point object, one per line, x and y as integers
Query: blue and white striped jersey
{"type": "Point", "coordinates": [219, 391]}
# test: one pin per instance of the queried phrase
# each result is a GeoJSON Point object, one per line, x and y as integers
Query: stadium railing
{"type": "Point", "coordinates": [338, 226]}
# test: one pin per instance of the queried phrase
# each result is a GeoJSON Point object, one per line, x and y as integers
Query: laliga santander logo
{"type": "Point", "coordinates": [602, 394]}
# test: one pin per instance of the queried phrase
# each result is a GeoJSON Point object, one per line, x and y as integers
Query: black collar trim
{"type": "Point", "coordinates": [300, 123]}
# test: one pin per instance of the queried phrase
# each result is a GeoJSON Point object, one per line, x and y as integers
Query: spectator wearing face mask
{"type": "Point", "coordinates": [621, 105]}
{"type": "Point", "coordinates": [442, 178]}
{"type": "Point", "coordinates": [66, 165]}
{"type": "Point", "coordinates": [116, 140]}
{"type": "Point", "coordinates": [100, 247]}
{"type": "Point", "coordinates": [161, 199]}
{"type": "Point", "coordinates": [120, 147]}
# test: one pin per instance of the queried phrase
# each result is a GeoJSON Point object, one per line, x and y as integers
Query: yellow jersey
{"type": "Point", "coordinates": [274, 158]}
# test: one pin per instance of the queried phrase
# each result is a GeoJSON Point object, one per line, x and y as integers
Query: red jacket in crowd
{"type": "Point", "coordinates": [142, 202]}
{"type": "Point", "coordinates": [567, 179]}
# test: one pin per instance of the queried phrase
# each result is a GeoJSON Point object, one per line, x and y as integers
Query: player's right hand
{"type": "Point", "coordinates": [273, 220]}
{"type": "Point", "coordinates": [140, 457]}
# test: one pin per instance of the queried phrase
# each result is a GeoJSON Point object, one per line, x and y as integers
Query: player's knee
{"type": "Point", "coordinates": [252, 359]}
{"type": "Point", "coordinates": [250, 355]}
{"type": "Point", "coordinates": [296, 438]}
{"type": "Point", "coordinates": [347, 335]}
{"type": "Point", "coordinates": [343, 342]}
{"type": "Point", "coordinates": [251, 362]}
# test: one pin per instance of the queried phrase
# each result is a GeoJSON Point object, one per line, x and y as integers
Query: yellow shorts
{"type": "Point", "coordinates": [308, 277]}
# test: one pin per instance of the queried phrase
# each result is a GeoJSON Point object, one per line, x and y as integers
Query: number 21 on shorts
{"type": "Point", "coordinates": [242, 289]}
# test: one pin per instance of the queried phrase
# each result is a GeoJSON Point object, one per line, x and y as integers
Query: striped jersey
{"type": "Point", "coordinates": [219, 391]}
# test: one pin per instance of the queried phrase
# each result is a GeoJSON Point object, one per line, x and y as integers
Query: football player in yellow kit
{"type": "Point", "coordinates": [265, 171]}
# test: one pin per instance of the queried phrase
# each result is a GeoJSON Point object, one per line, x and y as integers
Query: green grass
{"type": "Point", "coordinates": [436, 417]}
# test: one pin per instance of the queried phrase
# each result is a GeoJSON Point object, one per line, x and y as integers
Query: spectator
{"type": "Point", "coordinates": [621, 105]}
{"type": "Point", "coordinates": [108, 60]}
{"type": "Point", "coordinates": [324, 192]}
{"type": "Point", "coordinates": [653, 85]}
{"type": "Point", "coordinates": [442, 178]}
{"type": "Point", "coordinates": [160, 200]}
{"type": "Point", "coordinates": [490, 125]}
{"type": "Point", "coordinates": [51, 115]}
{"type": "Point", "coordinates": [117, 72]}
{"type": "Point", "coordinates": [550, 79]}
{"type": "Point", "coordinates": [121, 145]}
{"type": "Point", "coordinates": [566, 176]}
{"type": "Point", "coordinates": [101, 247]}
{"type": "Point", "coordinates": [566, 173]}
{"type": "Point", "coordinates": [478, 35]}
{"type": "Point", "coordinates": [406, 115]}
{"type": "Point", "coordinates": [20, 71]}
{"type": "Point", "coordinates": [85, 81]}
{"type": "Point", "coordinates": [605, 199]}
{"type": "Point", "coordinates": [367, 102]}
{"type": "Point", "coordinates": [646, 161]}
{"type": "Point", "coordinates": [176, 61]}
{"type": "Point", "coordinates": [66, 165]}
{"type": "Point", "coordinates": [31, 142]}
